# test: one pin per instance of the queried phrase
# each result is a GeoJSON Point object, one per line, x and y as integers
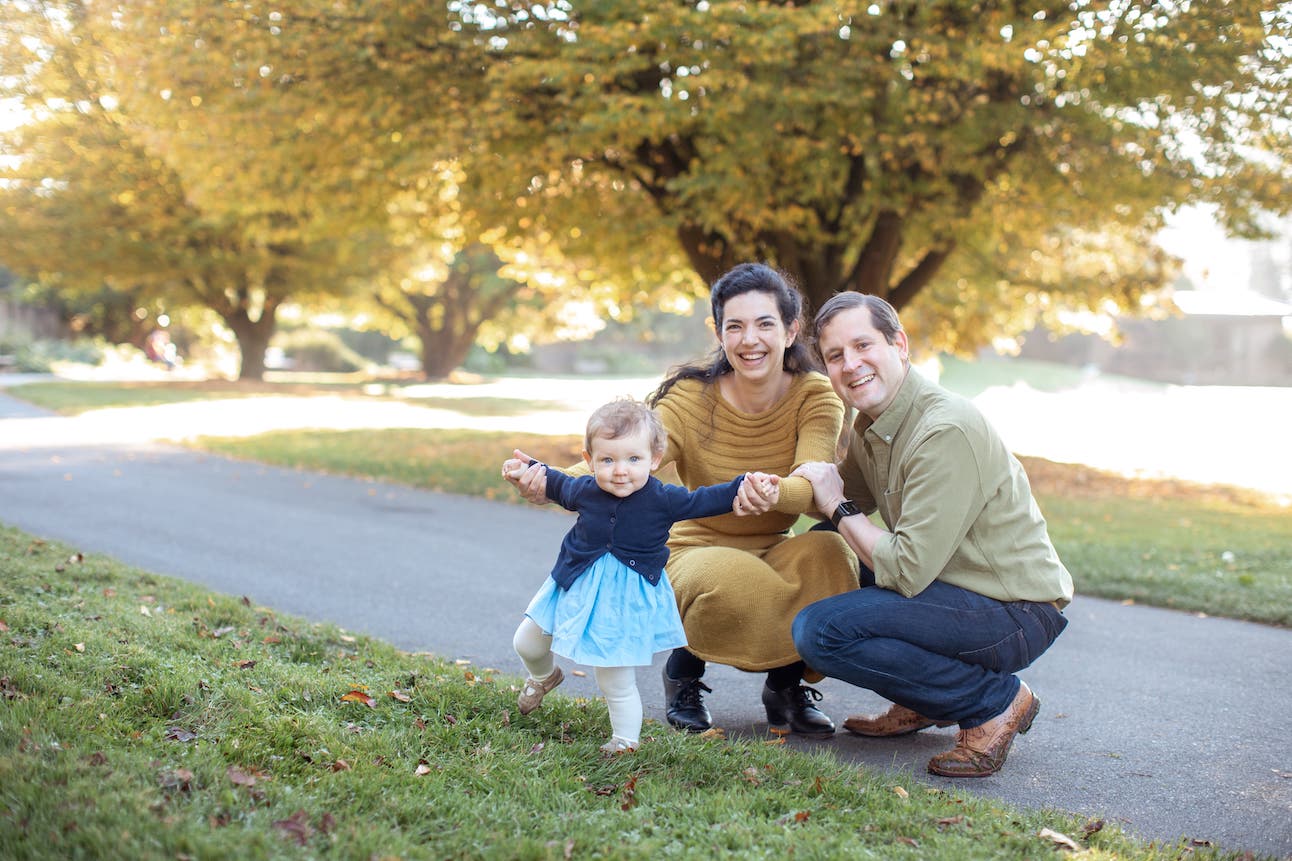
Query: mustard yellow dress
{"type": "Point", "coordinates": [740, 581]}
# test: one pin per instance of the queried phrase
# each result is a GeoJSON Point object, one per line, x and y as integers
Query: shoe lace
{"type": "Point", "coordinates": [804, 695]}
{"type": "Point", "coordinates": [689, 696]}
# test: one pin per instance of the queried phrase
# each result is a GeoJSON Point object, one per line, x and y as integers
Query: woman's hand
{"type": "Point", "coordinates": [757, 494]}
{"type": "Point", "coordinates": [526, 475]}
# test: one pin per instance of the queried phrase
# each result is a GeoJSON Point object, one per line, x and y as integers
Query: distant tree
{"type": "Point", "coordinates": [990, 159]}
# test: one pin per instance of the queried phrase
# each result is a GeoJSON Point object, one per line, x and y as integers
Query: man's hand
{"type": "Point", "coordinates": [827, 486]}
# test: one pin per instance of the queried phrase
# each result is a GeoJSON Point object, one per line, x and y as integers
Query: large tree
{"type": "Point", "coordinates": [988, 157]}
{"type": "Point", "coordinates": [169, 151]}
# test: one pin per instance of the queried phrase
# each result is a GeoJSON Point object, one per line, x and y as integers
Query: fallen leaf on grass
{"type": "Point", "coordinates": [797, 817]}
{"type": "Point", "coordinates": [176, 780]}
{"type": "Point", "coordinates": [537, 748]}
{"type": "Point", "coordinates": [1063, 841]}
{"type": "Point", "coordinates": [340, 765]}
{"type": "Point", "coordinates": [948, 821]}
{"type": "Point", "coordinates": [909, 841]}
{"type": "Point", "coordinates": [239, 777]}
{"type": "Point", "coordinates": [175, 733]}
{"type": "Point", "coordinates": [629, 794]}
{"type": "Point", "coordinates": [97, 758]}
{"type": "Point", "coordinates": [244, 665]}
{"type": "Point", "coordinates": [3, 626]}
{"type": "Point", "coordinates": [220, 632]}
{"type": "Point", "coordinates": [422, 769]}
{"type": "Point", "coordinates": [271, 640]}
{"type": "Point", "coordinates": [1092, 827]}
{"type": "Point", "coordinates": [901, 792]}
{"type": "Point", "coordinates": [296, 827]}
{"type": "Point", "coordinates": [714, 732]}
{"type": "Point", "coordinates": [400, 696]}
{"type": "Point", "coordinates": [80, 647]}
{"type": "Point", "coordinates": [780, 739]}
{"type": "Point", "coordinates": [359, 697]}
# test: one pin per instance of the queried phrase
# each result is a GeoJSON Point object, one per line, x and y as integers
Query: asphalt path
{"type": "Point", "coordinates": [1168, 724]}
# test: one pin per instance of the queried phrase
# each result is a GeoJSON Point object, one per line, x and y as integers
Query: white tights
{"type": "Point", "coordinates": [617, 684]}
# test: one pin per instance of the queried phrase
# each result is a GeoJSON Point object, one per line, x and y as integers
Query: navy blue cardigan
{"type": "Point", "coordinates": [634, 528]}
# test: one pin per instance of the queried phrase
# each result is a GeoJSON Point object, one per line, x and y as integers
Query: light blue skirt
{"type": "Point", "coordinates": [609, 617]}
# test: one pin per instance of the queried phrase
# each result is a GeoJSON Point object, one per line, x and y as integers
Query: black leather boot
{"type": "Point", "coordinates": [790, 710]}
{"type": "Point", "coordinates": [686, 709]}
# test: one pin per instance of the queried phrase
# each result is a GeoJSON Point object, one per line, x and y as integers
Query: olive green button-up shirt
{"type": "Point", "coordinates": [956, 502]}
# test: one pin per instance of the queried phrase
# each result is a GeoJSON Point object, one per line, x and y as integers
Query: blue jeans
{"type": "Point", "coordinates": [946, 653]}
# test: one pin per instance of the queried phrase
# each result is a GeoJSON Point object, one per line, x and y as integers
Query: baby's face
{"type": "Point", "coordinates": [622, 466]}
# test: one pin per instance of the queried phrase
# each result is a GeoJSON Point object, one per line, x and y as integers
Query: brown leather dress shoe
{"type": "Point", "coordinates": [898, 720]}
{"type": "Point", "coordinates": [981, 751]}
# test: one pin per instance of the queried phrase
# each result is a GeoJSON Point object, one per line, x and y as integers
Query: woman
{"type": "Point", "coordinates": [759, 404]}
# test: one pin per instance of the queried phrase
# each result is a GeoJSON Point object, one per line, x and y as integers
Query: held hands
{"type": "Point", "coordinates": [526, 475]}
{"type": "Point", "coordinates": [757, 494]}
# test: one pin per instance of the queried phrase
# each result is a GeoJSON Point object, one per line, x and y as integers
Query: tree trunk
{"type": "Point", "coordinates": [442, 351]}
{"type": "Point", "coordinates": [253, 339]}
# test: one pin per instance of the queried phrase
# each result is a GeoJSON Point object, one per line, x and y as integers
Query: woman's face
{"type": "Point", "coordinates": [753, 337]}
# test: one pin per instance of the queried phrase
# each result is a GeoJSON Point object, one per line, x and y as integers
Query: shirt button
{"type": "Point", "coordinates": [612, 519]}
{"type": "Point", "coordinates": [632, 562]}
{"type": "Point", "coordinates": [888, 438]}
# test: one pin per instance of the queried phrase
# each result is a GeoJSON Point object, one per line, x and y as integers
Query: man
{"type": "Point", "coordinates": [969, 587]}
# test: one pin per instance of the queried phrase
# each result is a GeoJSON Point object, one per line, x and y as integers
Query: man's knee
{"type": "Point", "coordinates": [806, 629]}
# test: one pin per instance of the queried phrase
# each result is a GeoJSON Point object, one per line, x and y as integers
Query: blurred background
{"type": "Point", "coordinates": [453, 191]}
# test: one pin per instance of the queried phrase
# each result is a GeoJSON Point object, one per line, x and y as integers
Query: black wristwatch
{"type": "Point", "coordinates": [846, 509]}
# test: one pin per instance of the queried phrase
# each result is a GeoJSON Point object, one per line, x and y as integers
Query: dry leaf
{"type": "Point", "coordinates": [359, 697]}
{"type": "Point", "coordinates": [909, 841]}
{"type": "Point", "coordinates": [780, 739]}
{"type": "Point", "coordinates": [239, 777]}
{"type": "Point", "coordinates": [1092, 827]}
{"type": "Point", "coordinates": [80, 647]}
{"type": "Point", "coordinates": [400, 696]}
{"type": "Point", "coordinates": [1061, 840]}
{"type": "Point", "coordinates": [220, 632]}
{"type": "Point", "coordinates": [271, 640]}
{"type": "Point", "coordinates": [901, 792]}
{"type": "Point", "coordinates": [714, 732]}
{"type": "Point", "coordinates": [951, 820]}
{"type": "Point", "coordinates": [297, 827]}
{"type": "Point", "coordinates": [175, 733]}
{"type": "Point", "coordinates": [244, 665]}
{"type": "Point", "coordinates": [177, 779]}
{"type": "Point", "coordinates": [538, 748]}
{"type": "Point", "coordinates": [422, 770]}
{"type": "Point", "coordinates": [340, 765]}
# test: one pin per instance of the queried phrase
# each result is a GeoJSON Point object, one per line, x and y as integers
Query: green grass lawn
{"type": "Point", "coordinates": [145, 717]}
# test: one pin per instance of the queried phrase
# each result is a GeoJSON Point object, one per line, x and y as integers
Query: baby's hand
{"type": "Point", "coordinates": [768, 485]}
{"type": "Point", "coordinates": [513, 468]}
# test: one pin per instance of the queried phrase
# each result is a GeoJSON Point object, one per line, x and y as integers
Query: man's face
{"type": "Point", "coordinates": [865, 369]}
